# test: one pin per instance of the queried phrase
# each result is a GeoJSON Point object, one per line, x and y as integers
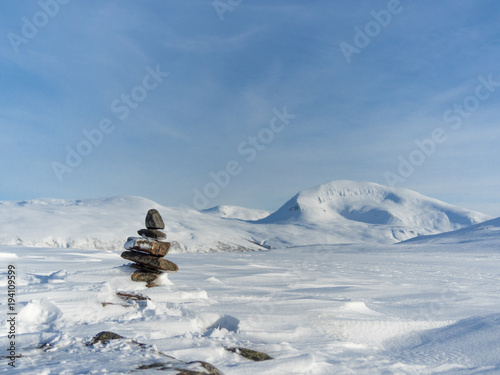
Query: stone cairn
{"type": "Point", "coordinates": [148, 251]}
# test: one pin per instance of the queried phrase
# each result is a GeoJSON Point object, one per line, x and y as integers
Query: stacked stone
{"type": "Point", "coordinates": [148, 251]}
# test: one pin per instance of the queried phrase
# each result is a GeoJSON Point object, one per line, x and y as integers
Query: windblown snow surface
{"type": "Point", "coordinates": [331, 309]}
{"type": "Point", "coordinates": [419, 307]}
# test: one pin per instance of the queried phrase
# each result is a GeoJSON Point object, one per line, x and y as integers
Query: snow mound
{"type": "Point", "coordinates": [464, 343]}
{"type": "Point", "coordinates": [38, 315]}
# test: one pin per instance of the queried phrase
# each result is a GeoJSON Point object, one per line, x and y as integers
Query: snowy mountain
{"type": "Point", "coordinates": [372, 203]}
{"type": "Point", "coordinates": [373, 211]}
{"type": "Point", "coordinates": [236, 212]}
{"type": "Point", "coordinates": [333, 213]}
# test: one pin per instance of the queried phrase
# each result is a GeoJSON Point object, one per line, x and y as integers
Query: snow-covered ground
{"type": "Point", "coordinates": [333, 309]}
{"type": "Point", "coordinates": [334, 294]}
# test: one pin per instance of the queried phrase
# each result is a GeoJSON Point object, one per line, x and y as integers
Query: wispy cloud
{"type": "Point", "coordinates": [354, 120]}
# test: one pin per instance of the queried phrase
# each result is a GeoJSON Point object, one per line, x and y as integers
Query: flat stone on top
{"type": "Point", "coordinates": [154, 220]}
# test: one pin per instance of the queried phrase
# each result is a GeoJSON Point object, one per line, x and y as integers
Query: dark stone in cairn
{"type": "Point", "coordinates": [150, 261]}
{"type": "Point", "coordinates": [152, 233]}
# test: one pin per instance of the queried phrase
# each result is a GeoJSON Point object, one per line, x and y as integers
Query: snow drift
{"type": "Point", "coordinates": [482, 232]}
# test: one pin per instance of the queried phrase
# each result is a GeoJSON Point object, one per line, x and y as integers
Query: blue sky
{"type": "Point", "coordinates": [428, 68]}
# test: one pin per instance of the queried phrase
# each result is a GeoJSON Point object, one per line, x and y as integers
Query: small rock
{"type": "Point", "coordinates": [152, 247]}
{"type": "Point", "coordinates": [152, 233]}
{"type": "Point", "coordinates": [154, 220]}
{"type": "Point", "coordinates": [250, 354]}
{"type": "Point", "coordinates": [132, 297]}
{"type": "Point", "coordinates": [212, 370]}
{"type": "Point", "coordinates": [143, 268]}
{"type": "Point", "coordinates": [150, 261]}
{"type": "Point", "coordinates": [104, 304]}
{"type": "Point", "coordinates": [172, 364]}
{"type": "Point", "coordinates": [147, 277]}
{"type": "Point", "coordinates": [155, 365]}
{"type": "Point", "coordinates": [184, 368]}
{"type": "Point", "coordinates": [103, 337]}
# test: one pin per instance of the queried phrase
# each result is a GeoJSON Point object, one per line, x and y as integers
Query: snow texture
{"type": "Point", "coordinates": [327, 309]}
{"type": "Point", "coordinates": [335, 294]}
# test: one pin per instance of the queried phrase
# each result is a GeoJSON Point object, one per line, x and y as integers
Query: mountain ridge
{"type": "Point", "coordinates": [367, 202]}
{"type": "Point", "coordinates": [332, 213]}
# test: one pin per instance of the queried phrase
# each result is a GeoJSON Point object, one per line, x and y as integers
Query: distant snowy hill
{"type": "Point", "coordinates": [236, 212]}
{"type": "Point", "coordinates": [483, 232]}
{"type": "Point", "coordinates": [106, 224]}
{"type": "Point", "coordinates": [372, 203]}
{"type": "Point", "coordinates": [333, 213]}
{"type": "Point", "coordinates": [374, 210]}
